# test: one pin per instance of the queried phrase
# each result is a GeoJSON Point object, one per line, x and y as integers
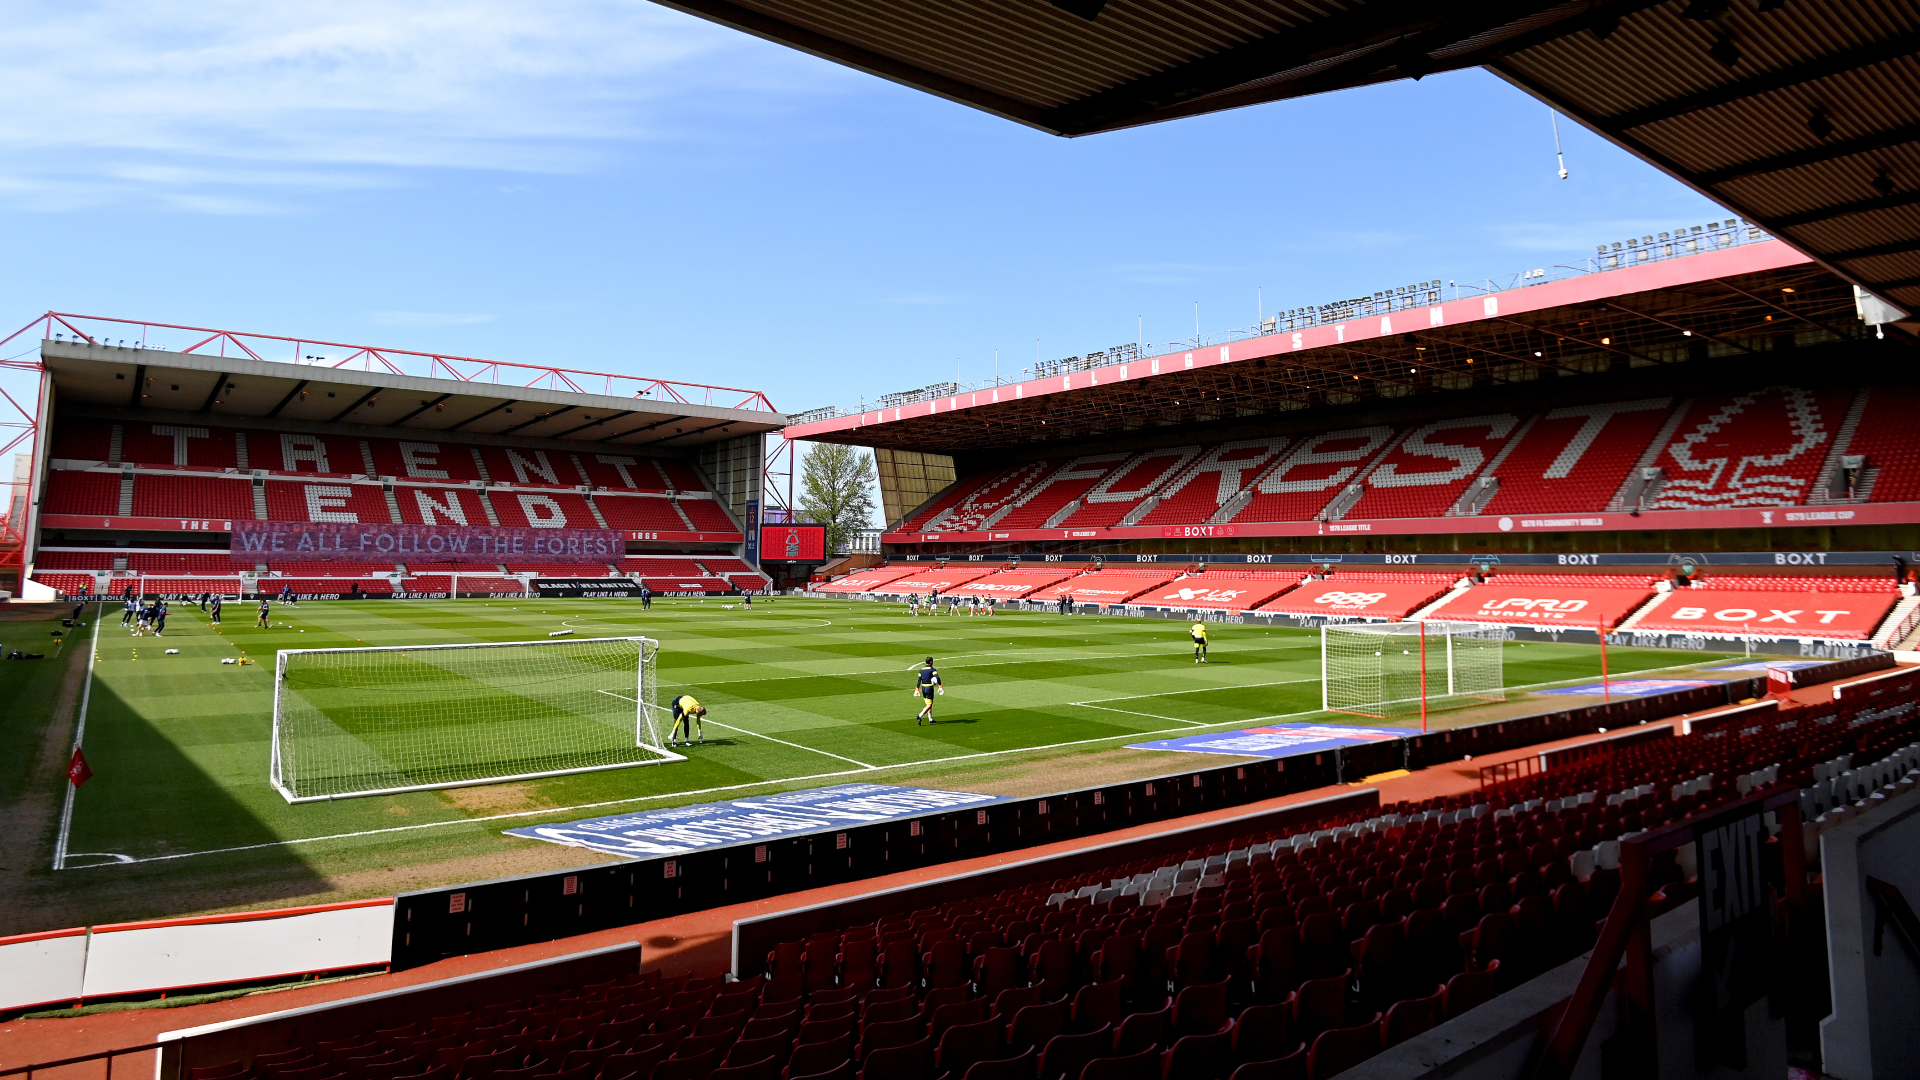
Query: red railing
{"type": "Point", "coordinates": [274, 347]}
{"type": "Point", "coordinates": [41, 1066]}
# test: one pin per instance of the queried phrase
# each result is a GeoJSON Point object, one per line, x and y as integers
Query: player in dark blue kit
{"type": "Point", "coordinates": [928, 686]}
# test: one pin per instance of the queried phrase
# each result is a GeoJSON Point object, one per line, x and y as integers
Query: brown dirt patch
{"type": "Point", "coordinates": [495, 798]}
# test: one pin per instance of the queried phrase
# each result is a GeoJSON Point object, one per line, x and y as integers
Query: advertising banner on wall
{"type": "Point", "coordinates": [1543, 605]}
{"type": "Point", "coordinates": [1782, 614]}
{"type": "Point", "coordinates": [1362, 600]}
{"type": "Point", "coordinates": [360, 541]}
{"type": "Point", "coordinates": [793, 543]}
{"type": "Point", "coordinates": [679, 829]}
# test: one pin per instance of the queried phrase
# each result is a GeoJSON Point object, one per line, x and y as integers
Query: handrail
{"type": "Point", "coordinates": [30, 1069]}
{"type": "Point", "coordinates": [1626, 933]}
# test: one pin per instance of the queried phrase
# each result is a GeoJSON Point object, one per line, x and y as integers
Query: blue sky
{"type": "Point", "coordinates": [611, 185]}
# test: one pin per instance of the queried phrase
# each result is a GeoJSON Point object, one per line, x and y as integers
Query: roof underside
{"type": "Point", "coordinates": [1747, 314]}
{"type": "Point", "coordinates": [232, 390]}
{"type": "Point", "coordinates": [1721, 94]}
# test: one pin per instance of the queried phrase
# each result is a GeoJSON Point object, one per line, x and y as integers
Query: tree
{"type": "Point", "coordinates": [836, 491]}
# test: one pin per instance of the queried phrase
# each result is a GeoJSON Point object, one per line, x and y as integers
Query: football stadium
{"type": "Point", "coordinates": [1512, 678]}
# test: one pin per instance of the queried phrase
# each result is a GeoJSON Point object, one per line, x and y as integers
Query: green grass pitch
{"type": "Point", "coordinates": [803, 693]}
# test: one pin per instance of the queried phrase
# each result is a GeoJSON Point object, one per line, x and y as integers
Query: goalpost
{"type": "Point", "coordinates": [1385, 670]}
{"type": "Point", "coordinates": [376, 721]}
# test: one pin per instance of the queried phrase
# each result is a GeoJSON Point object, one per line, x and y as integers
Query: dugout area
{"type": "Point", "coordinates": [180, 815]}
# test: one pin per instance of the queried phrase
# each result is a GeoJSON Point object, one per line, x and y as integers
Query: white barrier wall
{"type": "Point", "coordinates": [1875, 997]}
{"type": "Point", "coordinates": [135, 958]}
{"type": "Point", "coordinates": [42, 969]}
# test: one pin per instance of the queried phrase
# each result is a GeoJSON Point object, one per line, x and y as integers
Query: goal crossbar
{"type": "Point", "coordinates": [1383, 670]}
{"type": "Point", "coordinates": [383, 720]}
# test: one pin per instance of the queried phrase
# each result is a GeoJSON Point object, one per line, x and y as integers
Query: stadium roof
{"type": "Point", "coordinates": [1743, 300]}
{"type": "Point", "coordinates": [1800, 115]}
{"type": "Point", "coordinates": [234, 389]}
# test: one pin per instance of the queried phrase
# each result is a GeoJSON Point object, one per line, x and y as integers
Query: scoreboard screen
{"type": "Point", "coordinates": [793, 543]}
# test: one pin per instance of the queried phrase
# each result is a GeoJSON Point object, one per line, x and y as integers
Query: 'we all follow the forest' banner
{"type": "Point", "coordinates": [344, 541]}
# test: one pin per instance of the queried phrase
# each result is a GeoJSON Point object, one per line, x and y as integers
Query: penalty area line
{"type": "Point", "coordinates": [769, 738]}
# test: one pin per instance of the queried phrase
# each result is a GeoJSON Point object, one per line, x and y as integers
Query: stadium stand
{"type": "Point", "coordinates": [989, 500]}
{"type": "Point", "coordinates": [1548, 599]}
{"type": "Point", "coordinates": [91, 493]}
{"type": "Point", "coordinates": [564, 570]}
{"type": "Point", "coordinates": [53, 559]}
{"type": "Point", "coordinates": [1574, 458]}
{"type": "Point", "coordinates": [1116, 585]}
{"type": "Point", "coordinates": [707, 516]}
{"type": "Point", "coordinates": [679, 474]}
{"type": "Point", "coordinates": [65, 584]}
{"type": "Point", "coordinates": [1836, 615]}
{"type": "Point", "coordinates": [660, 566]}
{"type": "Point", "coordinates": [177, 563]}
{"type": "Point", "coordinates": [930, 579]}
{"type": "Point", "coordinates": [550, 509]}
{"type": "Point", "coordinates": [616, 472]}
{"type": "Point", "coordinates": [537, 468]}
{"type": "Point", "coordinates": [918, 520]}
{"type": "Point", "coordinates": [1761, 448]}
{"type": "Point", "coordinates": [1312, 473]}
{"type": "Point", "coordinates": [163, 495]}
{"type": "Point", "coordinates": [439, 505]}
{"type": "Point", "coordinates": [290, 501]}
{"type": "Point", "coordinates": [1222, 590]}
{"type": "Point", "coordinates": [1797, 583]}
{"type": "Point", "coordinates": [1764, 447]}
{"type": "Point", "coordinates": [409, 460]}
{"type": "Point", "coordinates": [178, 444]}
{"type": "Point", "coordinates": [624, 512]}
{"type": "Point", "coordinates": [1426, 471]}
{"type": "Point", "coordinates": [1120, 493]}
{"type": "Point", "coordinates": [1013, 584]}
{"type": "Point", "coordinates": [1885, 437]}
{"type": "Point", "coordinates": [191, 585]}
{"type": "Point", "coordinates": [869, 580]}
{"type": "Point", "coordinates": [87, 441]}
{"type": "Point", "coordinates": [1212, 481]}
{"type": "Point", "coordinates": [1352, 595]}
{"type": "Point", "coordinates": [304, 452]}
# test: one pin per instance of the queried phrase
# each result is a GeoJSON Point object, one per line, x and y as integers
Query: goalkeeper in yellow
{"type": "Point", "coordinates": [686, 714]}
{"type": "Point", "coordinates": [1199, 643]}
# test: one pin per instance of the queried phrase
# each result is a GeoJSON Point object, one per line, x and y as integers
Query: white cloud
{"type": "Point", "coordinates": [224, 105]}
{"type": "Point", "coordinates": [427, 318]}
{"type": "Point", "coordinates": [1583, 236]}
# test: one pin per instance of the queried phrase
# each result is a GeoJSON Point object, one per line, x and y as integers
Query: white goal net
{"type": "Point", "coordinates": [1404, 668]}
{"type": "Point", "coordinates": [351, 722]}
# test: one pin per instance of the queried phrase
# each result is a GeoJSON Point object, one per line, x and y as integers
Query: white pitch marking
{"type": "Point", "coordinates": [769, 738]}
{"type": "Point", "coordinates": [79, 733]}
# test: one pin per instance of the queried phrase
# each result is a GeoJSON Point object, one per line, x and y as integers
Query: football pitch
{"type": "Point", "coordinates": [179, 815]}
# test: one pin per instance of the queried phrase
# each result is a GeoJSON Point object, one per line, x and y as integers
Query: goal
{"type": "Point", "coordinates": [1397, 669]}
{"type": "Point", "coordinates": [375, 721]}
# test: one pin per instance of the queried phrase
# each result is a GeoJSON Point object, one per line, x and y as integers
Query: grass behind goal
{"type": "Point", "coordinates": [376, 721]}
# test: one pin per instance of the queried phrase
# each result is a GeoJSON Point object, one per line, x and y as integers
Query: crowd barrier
{"type": "Point", "coordinates": [61, 967]}
{"type": "Point", "coordinates": [240, 1040]}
